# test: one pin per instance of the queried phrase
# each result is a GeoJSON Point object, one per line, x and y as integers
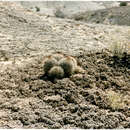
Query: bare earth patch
{"type": "Point", "coordinates": [30, 100]}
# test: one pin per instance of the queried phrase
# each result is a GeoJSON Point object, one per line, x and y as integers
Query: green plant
{"type": "Point", "coordinates": [60, 66]}
{"type": "Point", "coordinates": [37, 9]}
{"type": "Point", "coordinates": [56, 72]}
{"type": "Point", "coordinates": [58, 13]}
{"type": "Point", "coordinates": [123, 3]}
{"type": "Point", "coordinates": [68, 64]}
{"type": "Point", "coordinates": [49, 62]}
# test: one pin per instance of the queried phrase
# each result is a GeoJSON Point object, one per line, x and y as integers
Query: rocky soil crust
{"type": "Point", "coordinates": [99, 98]}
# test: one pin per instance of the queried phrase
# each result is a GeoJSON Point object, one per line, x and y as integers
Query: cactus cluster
{"type": "Point", "coordinates": [60, 66]}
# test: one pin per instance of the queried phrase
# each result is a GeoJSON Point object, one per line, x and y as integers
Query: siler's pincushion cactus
{"type": "Point", "coordinates": [56, 72]}
{"type": "Point", "coordinates": [68, 64]}
{"type": "Point", "coordinates": [60, 66]}
{"type": "Point", "coordinates": [49, 62]}
{"type": "Point", "coordinates": [58, 56]}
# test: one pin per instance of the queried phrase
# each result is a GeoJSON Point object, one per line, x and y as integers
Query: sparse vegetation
{"type": "Point", "coordinates": [59, 66]}
{"type": "Point", "coordinates": [123, 3]}
{"type": "Point", "coordinates": [120, 52]}
{"type": "Point", "coordinates": [49, 62]}
{"type": "Point", "coordinates": [68, 64]}
{"type": "Point", "coordinates": [93, 92]}
{"type": "Point", "coordinates": [58, 13]}
{"type": "Point", "coordinates": [119, 48]}
{"type": "Point", "coordinates": [37, 9]}
{"type": "Point", "coordinates": [115, 100]}
{"type": "Point", "coordinates": [56, 72]}
{"type": "Point", "coordinates": [96, 97]}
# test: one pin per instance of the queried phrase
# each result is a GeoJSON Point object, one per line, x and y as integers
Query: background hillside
{"type": "Point", "coordinates": [68, 7]}
{"type": "Point", "coordinates": [113, 16]}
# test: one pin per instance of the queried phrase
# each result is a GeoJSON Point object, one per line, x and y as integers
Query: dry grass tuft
{"type": "Point", "coordinates": [115, 100]}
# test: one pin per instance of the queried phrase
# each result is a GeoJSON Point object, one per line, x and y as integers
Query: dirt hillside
{"type": "Point", "coordinates": [97, 98]}
{"type": "Point", "coordinates": [112, 16]}
{"type": "Point", "coordinates": [67, 8]}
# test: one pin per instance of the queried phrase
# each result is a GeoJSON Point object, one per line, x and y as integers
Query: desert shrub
{"type": "Point", "coordinates": [118, 49]}
{"type": "Point", "coordinates": [37, 9]}
{"type": "Point", "coordinates": [120, 53]}
{"type": "Point", "coordinates": [58, 13]}
{"type": "Point", "coordinates": [123, 3]}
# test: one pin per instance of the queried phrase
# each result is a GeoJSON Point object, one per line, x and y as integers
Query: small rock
{"type": "Point", "coordinates": [55, 98]}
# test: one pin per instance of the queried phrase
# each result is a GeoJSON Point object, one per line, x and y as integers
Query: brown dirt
{"type": "Point", "coordinates": [30, 100]}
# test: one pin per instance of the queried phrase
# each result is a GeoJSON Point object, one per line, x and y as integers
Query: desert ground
{"type": "Point", "coordinates": [97, 98]}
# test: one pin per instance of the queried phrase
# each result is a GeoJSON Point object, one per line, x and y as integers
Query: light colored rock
{"type": "Point", "coordinates": [56, 98]}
